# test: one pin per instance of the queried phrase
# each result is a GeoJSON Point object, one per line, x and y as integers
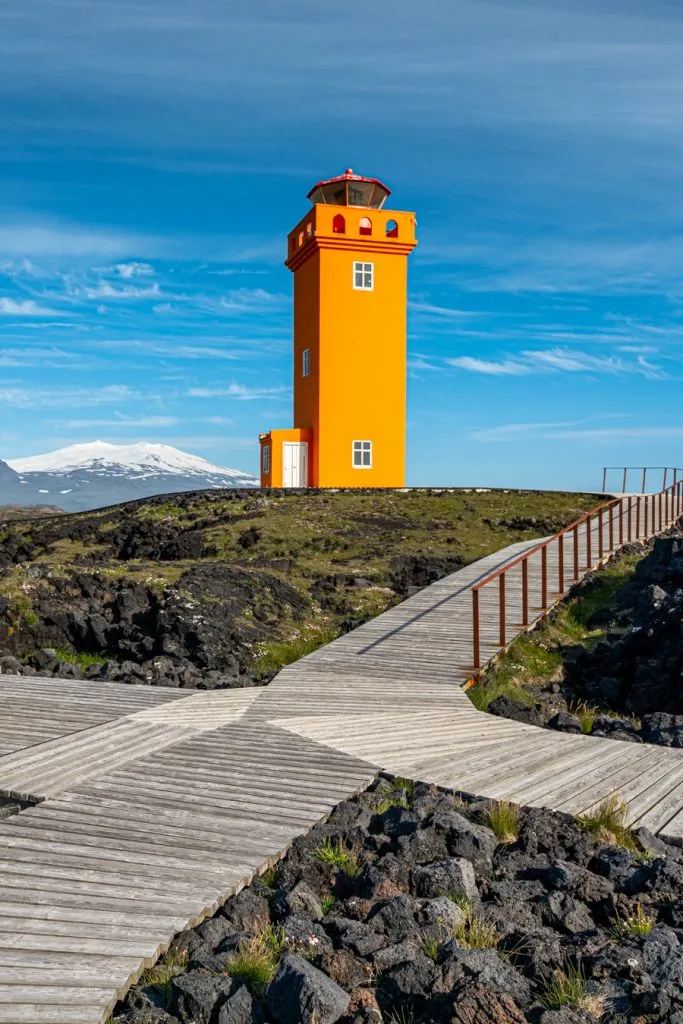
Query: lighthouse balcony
{"type": "Point", "coordinates": [347, 227]}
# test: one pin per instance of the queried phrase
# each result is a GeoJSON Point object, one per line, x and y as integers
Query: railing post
{"type": "Point", "coordinates": [644, 477]}
{"type": "Point", "coordinates": [475, 629]}
{"type": "Point", "coordinates": [589, 545]}
{"type": "Point", "coordinates": [501, 608]}
{"type": "Point", "coordinates": [525, 592]}
{"type": "Point", "coordinates": [601, 540]}
{"type": "Point", "coordinates": [621, 521]}
{"type": "Point", "coordinates": [560, 564]}
{"type": "Point", "coordinates": [629, 519]}
{"type": "Point", "coordinates": [645, 523]}
{"type": "Point", "coordinates": [575, 531]}
{"type": "Point", "coordinates": [638, 501]}
{"type": "Point", "coordinates": [611, 527]}
{"type": "Point", "coordinates": [544, 577]}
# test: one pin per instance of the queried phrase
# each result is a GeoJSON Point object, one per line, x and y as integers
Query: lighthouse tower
{"type": "Point", "coordinates": [349, 257]}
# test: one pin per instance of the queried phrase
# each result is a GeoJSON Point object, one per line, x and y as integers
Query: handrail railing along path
{"type": "Point", "coordinates": [596, 535]}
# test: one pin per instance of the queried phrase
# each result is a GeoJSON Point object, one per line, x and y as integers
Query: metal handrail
{"type": "Point", "coordinates": [625, 470]}
{"type": "Point", "coordinates": [654, 513]}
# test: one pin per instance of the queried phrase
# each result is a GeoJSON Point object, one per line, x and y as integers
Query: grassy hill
{"type": "Point", "coordinates": [226, 586]}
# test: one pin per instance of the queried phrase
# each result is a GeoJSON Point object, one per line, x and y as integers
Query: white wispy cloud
{"type": "Point", "coordinates": [106, 290]}
{"type": "Point", "coordinates": [558, 361]}
{"type": "Point", "coordinates": [25, 307]}
{"type": "Point", "coordinates": [252, 300]}
{"type": "Point", "coordinates": [500, 368]}
{"type": "Point", "coordinates": [241, 392]}
{"type": "Point", "coordinates": [566, 431]}
{"type": "Point", "coordinates": [134, 269]}
{"type": "Point", "coordinates": [66, 397]}
{"type": "Point", "coordinates": [123, 421]}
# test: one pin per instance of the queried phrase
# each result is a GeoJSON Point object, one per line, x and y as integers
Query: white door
{"type": "Point", "coordinates": [294, 464]}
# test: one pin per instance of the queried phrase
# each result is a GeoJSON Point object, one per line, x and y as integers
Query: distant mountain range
{"type": "Point", "coordinates": [87, 476]}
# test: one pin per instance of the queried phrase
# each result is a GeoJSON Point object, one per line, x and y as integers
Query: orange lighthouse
{"type": "Point", "coordinates": [349, 257]}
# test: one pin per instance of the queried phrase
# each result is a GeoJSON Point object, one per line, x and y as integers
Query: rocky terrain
{"type": "Point", "coordinates": [413, 905]}
{"type": "Point", "coordinates": [221, 588]}
{"type": "Point", "coordinates": [624, 677]}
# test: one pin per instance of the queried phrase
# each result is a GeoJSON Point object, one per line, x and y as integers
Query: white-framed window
{"type": "Point", "coordinates": [306, 360]}
{"type": "Point", "coordinates": [362, 454]}
{"type": "Point", "coordinates": [266, 458]}
{"type": "Point", "coordinates": [364, 276]}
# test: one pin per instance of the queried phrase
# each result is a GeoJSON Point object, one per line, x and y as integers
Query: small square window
{"type": "Point", "coordinates": [306, 362]}
{"type": "Point", "coordinates": [362, 454]}
{"type": "Point", "coordinates": [363, 276]}
{"type": "Point", "coordinates": [266, 458]}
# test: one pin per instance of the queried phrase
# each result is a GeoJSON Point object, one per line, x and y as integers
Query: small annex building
{"type": "Point", "coordinates": [349, 258]}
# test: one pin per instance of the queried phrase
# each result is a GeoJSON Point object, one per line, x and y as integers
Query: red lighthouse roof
{"type": "Point", "coordinates": [349, 189]}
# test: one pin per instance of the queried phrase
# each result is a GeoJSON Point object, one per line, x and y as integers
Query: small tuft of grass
{"type": "Point", "coordinates": [585, 714]}
{"type": "Point", "coordinates": [407, 785]}
{"type": "Point", "coordinates": [402, 1015]}
{"type": "Point", "coordinates": [160, 976]}
{"type": "Point", "coordinates": [256, 962]}
{"type": "Point", "coordinates": [460, 900]}
{"type": "Point", "coordinates": [569, 988]}
{"type": "Point", "coordinates": [328, 902]}
{"type": "Point", "coordinates": [609, 822]}
{"type": "Point", "coordinates": [484, 692]}
{"type": "Point", "coordinates": [640, 924]}
{"type": "Point", "coordinates": [502, 817]}
{"type": "Point", "coordinates": [475, 933]}
{"type": "Point", "coordinates": [431, 945]}
{"type": "Point", "coordinates": [269, 877]}
{"type": "Point", "coordinates": [334, 853]}
{"type": "Point", "coordinates": [393, 800]}
{"type": "Point", "coordinates": [80, 658]}
{"type": "Point", "coordinates": [275, 656]}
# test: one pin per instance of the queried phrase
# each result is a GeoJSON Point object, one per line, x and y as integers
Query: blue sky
{"type": "Point", "coordinates": [154, 154]}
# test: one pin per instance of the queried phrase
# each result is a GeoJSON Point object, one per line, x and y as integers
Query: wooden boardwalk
{"type": "Point", "coordinates": [151, 806]}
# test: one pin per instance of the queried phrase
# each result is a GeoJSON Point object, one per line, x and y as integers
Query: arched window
{"type": "Point", "coordinates": [339, 224]}
{"type": "Point", "coordinates": [365, 227]}
{"type": "Point", "coordinates": [392, 229]}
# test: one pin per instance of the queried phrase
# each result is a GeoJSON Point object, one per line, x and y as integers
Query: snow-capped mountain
{"type": "Point", "coordinates": [86, 476]}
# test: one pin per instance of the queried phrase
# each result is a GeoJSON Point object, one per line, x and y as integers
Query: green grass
{"type": "Point", "coordinates": [255, 965]}
{"type": "Point", "coordinates": [269, 877]}
{"type": "Point", "coordinates": [160, 976]}
{"type": "Point", "coordinates": [608, 821]}
{"type": "Point", "coordinates": [639, 924]}
{"type": "Point", "coordinates": [475, 933]}
{"type": "Point", "coordinates": [472, 933]}
{"type": "Point", "coordinates": [462, 901]}
{"type": "Point", "coordinates": [569, 987]}
{"type": "Point", "coordinates": [407, 785]}
{"type": "Point", "coordinates": [393, 800]}
{"type": "Point", "coordinates": [327, 903]}
{"type": "Point", "coordinates": [80, 658]}
{"type": "Point", "coordinates": [502, 818]}
{"type": "Point", "coordinates": [431, 946]}
{"type": "Point", "coordinates": [337, 855]}
{"type": "Point", "coordinates": [273, 657]}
